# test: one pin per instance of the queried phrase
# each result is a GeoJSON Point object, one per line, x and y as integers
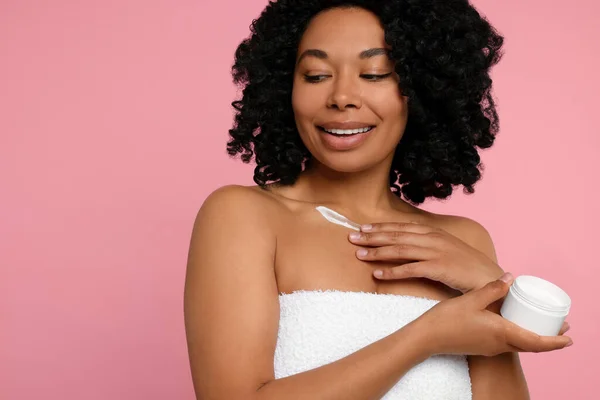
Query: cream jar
{"type": "Point", "coordinates": [536, 305]}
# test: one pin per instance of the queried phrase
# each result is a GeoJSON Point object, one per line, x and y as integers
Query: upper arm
{"type": "Point", "coordinates": [231, 301]}
{"type": "Point", "coordinates": [501, 376]}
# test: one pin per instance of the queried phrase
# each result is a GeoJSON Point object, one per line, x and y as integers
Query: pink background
{"type": "Point", "coordinates": [114, 118]}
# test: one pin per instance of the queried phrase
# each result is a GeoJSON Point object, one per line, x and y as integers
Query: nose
{"type": "Point", "coordinates": [345, 93]}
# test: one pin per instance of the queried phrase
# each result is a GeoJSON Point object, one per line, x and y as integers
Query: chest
{"type": "Point", "coordinates": [313, 254]}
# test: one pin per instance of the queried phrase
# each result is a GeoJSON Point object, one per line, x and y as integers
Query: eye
{"type": "Point", "coordinates": [314, 78]}
{"type": "Point", "coordinates": [373, 77]}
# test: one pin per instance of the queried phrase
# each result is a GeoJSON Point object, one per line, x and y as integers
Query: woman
{"type": "Point", "coordinates": [367, 108]}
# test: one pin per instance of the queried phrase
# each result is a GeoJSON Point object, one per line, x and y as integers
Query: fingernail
{"type": "Point", "coordinates": [507, 277]}
{"type": "Point", "coordinates": [366, 227]}
{"type": "Point", "coordinates": [362, 252]}
{"type": "Point", "coordinates": [378, 273]}
{"type": "Point", "coordinates": [569, 344]}
{"type": "Point", "coordinates": [355, 236]}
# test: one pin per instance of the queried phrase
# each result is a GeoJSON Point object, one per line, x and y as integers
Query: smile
{"type": "Point", "coordinates": [346, 131]}
{"type": "Point", "coordinates": [349, 138]}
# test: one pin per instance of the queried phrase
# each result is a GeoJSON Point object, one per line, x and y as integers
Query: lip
{"type": "Point", "coordinates": [346, 125]}
{"type": "Point", "coordinates": [344, 143]}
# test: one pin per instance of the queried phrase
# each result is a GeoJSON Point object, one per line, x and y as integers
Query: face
{"type": "Point", "coordinates": [347, 104]}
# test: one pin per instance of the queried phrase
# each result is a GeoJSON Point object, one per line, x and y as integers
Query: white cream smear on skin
{"type": "Point", "coordinates": [337, 218]}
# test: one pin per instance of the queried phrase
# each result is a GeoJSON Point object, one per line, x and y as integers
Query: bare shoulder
{"type": "Point", "coordinates": [468, 230]}
{"type": "Point", "coordinates": [240, 207]}
{"type": "Point", "coordinates": [238, 199]}
{"type": "Point", "coordinates": [231, 293]}
{"type": "Point", "coordinates": [234, 227]}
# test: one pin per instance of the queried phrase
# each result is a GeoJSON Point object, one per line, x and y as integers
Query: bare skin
{"type": "Point", "coordinates": [232, 310]}
{"type": "Point", "coordinates": [313, 253]}
{"type": "Point", "coordinates": [251, 244]}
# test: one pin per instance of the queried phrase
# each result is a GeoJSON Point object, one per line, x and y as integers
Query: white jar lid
{"type": "Point", "coordinates": [541, 293]}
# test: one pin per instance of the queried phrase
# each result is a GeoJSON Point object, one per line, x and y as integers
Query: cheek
{"type": "Point", "coordinates": [298, 105]}
{"type": "Point", "coordinates": [304, 112]}
{"type": "Point", "coordinates": [390, 104]}
{"type": "Point", "coordinates": [392, 108]}
{"type": "Point", "coordinates": [301, 102]}
{"type": "Point", "coordinates": [399, 108]}
{"type": "Point", "coordinates": [395, 114]}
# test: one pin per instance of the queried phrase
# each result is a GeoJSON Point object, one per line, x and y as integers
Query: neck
{"type": "Point", "coordinates": [363, 193]}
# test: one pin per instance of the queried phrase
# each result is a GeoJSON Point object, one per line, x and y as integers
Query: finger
{"type": "Point", "coordinates": [397, 253]}
{"type": "Point", "coordinates": [495, 306]}
{"type": "Point", "coordinates": [565, 327]}
{"type": "Point", "coordinates": [376, 239]}
{"type": "Point", "coordinates": [421, 269]}
{"type": "Point", "coordinates": [410, 226]}
{"type": "Point", "coordinates": [493, 291]}
{"type": "Point", "coordinates": [528, 341]}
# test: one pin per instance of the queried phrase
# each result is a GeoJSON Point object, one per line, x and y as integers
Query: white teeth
{"type": "Point", "coordinates": [347, 131]}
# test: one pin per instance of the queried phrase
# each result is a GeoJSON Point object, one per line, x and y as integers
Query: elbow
{"type": "Point", "coordinates": [259, 392]}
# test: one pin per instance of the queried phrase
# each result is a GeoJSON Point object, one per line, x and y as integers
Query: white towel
{"type": "Point", "coordinates": [320, 327]}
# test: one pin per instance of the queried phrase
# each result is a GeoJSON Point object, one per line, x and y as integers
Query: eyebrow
{"type": "Point", "coordinates": [320, 54]}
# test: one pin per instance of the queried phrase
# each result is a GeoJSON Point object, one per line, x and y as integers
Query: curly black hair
{"type": "Point", "coordinates": [443, 51]}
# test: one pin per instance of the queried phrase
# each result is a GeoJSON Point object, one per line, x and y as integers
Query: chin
{"type": "Point", "coordinates": [348, 162]}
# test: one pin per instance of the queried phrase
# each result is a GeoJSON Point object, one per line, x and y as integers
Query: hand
{"type": "Point", "coordinates": [463, 325]}
{"type": "Point", "coordinates": [425, 252]}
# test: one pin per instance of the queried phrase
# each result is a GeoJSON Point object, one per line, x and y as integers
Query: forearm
{"type": "Point", "coordinates": [366, 374]}
{"type": "Point", "coordinates": [498, 378]}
